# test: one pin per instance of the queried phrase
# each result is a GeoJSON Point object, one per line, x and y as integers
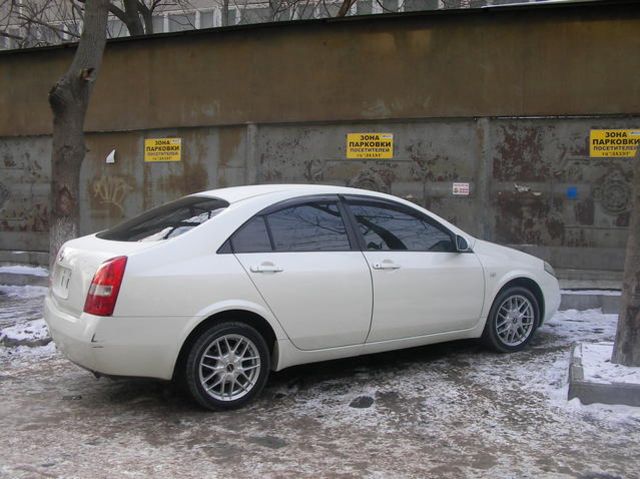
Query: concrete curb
{"type": "Point", "coordinates": [589, 392]}
{"type": "Point", "coordinates": [33, 258]}
{"type": "Point", "coordinates": [608, 303]}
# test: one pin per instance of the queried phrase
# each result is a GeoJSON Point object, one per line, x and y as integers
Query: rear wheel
{"type": "Point", "coordinates": [514, 317]}
{"type": "Point", "coordinates": [227, 366]}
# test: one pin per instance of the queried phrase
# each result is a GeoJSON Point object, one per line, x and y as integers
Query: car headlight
{"type": "Point", "coordinates": [549, 269]}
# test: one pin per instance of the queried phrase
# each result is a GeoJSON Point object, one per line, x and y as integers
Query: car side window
{"type": "Point", "coordinates": [316, 226]}
{"type": "Point", "coordinates": [252, 237]}
{"type": "Point", "coordinates": [391, 228]}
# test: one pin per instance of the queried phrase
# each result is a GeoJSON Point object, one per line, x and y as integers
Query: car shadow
{"type": "Point", "coordinates": [133, 393]}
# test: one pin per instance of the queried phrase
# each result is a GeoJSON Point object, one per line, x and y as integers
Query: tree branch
{"type": "Point", "coordinates": [345, 7]}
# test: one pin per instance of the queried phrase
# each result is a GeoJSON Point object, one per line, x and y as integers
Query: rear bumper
{"type": "Point", "coordinates": [115, 346]}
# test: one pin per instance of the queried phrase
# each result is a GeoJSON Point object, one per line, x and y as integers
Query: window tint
{"type": "Point", "coordinates": [388, 228]}
{"type": "Point", "coordinates": [309, 227]}
{"type": "Point", "coordinates": [166, 221]}
{"type": "Point", "coordinates": [252, 237]}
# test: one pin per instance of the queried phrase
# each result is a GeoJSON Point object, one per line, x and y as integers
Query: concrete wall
{"type": "Point", "coordinates": [503, 100]}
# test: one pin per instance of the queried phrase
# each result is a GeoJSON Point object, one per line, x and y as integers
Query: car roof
{"type": "Point", "coordinates": [239, 193]}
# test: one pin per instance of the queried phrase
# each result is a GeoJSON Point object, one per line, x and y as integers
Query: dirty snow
{"type": "Point", "coordinates": [448, 411]}
{"type": "Point", "coordinates": [598, 368]}
{"type": "Point", "coordinates": [25, 332]}
{"type": "Point", "coordinates": [22, 292]}
{"type": "Point", "coordinates": [19, 304]}
{"type": "Point", "coordinates": [24, 269]}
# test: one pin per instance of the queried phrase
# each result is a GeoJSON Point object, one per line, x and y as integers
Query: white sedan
{"type": "Point", "coordinates": [221, 287]}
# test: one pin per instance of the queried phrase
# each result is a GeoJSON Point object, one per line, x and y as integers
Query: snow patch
{"type": "Point", "coordinates": [31, 333]}
{"type": "Point", "coordinates": [598, 368]}
{"type": "Point", "coordinates": [25, 269]}
{"type": "Point", "coordinates": [22, 292]}
{"type": "Point", "coordinates": [572, 326]}
{"type": "Point", "coordinates": [25, 353]}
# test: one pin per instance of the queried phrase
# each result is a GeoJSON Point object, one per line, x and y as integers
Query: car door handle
{"type": "Point", "coordinates": [385, 265]}
{"type": "Point", "coordinates": [266, 268]}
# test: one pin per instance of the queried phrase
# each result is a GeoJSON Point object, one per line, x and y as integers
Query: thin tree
{"type": "Point", "coordinates": [626, 349]}
{"type": "Point", "coordinates": [69, 101]}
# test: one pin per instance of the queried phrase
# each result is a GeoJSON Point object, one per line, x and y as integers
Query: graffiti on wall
{"type": "Point", "coordinates": [111, 191]}
{"type": "Point", "coordinates": [613, 192]}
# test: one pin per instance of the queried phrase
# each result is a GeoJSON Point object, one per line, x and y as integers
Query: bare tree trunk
{"type": "Point", "coordinates": [147, 17]}
{"type": "Point", "coordinates": [626, 349]}
{"type": "Point", "coordinates": [69, 100]}
{"type": "Point", "coordinates": [132, 18]}
{"type": "Point", "coordinates": [224, 20]}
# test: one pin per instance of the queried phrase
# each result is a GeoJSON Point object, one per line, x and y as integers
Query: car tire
{"type": "Point", "coordinates": [227, 366]}
{"type": "Point", "coordinates": [512, 321]}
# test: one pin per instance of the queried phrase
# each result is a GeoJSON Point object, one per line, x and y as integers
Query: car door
{"type": "Point", "coordinates": [305, 263]}
{"type": "Point", "coordinates": [421, 284]}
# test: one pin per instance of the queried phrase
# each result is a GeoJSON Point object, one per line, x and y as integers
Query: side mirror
{"type": "Point", "coordinates": [462, 245]}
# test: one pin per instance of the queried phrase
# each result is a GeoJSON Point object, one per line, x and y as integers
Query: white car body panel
{"type": "Point", "coordinates": [321, 306]}
{"type": "Point", "coordinates": [339, 316]}
{"type": "Point", "coordinates": [428, 293]}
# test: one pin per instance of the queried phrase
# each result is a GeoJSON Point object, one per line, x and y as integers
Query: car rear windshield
{"type": "Point", "coordinates": [166, 221]}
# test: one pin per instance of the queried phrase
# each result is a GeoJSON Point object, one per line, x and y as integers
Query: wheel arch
{"type": "Point", "coordinates": [249, 318]}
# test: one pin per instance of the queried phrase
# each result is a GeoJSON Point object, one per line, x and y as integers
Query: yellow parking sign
{"type": "Point", "coordinates": [370, 145]}
{"type": "Point", "coordinates": [162, 149]}
{"type": "Point", "coordinates": [618, 143]}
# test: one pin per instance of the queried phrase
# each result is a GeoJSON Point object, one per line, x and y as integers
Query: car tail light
{"type": "Point", "coordinates": [103, 292]}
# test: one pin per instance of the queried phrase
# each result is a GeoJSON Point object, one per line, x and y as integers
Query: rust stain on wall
{"type": "Point", "coordinates": [192, 179]}
{"type": "Point", "coordinates": [524, 218]}
{"type": "Point", "coordinates": [519, 154]}
{"type": "Point", "coordinates": [373, 178]}
{"type": "Point", "coordinates": [584, 212]}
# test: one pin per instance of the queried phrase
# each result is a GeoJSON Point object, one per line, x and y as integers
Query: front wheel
{"type": "Point", "coordinates": [514, 317]}
{"type": "Point", "coordinates": [227, 366]}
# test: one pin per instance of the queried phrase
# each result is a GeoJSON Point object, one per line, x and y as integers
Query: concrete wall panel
{"type": "Point", "coordinates": [502, 100]}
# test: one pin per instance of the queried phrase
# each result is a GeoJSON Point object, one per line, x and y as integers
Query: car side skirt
{"type": "Point", "coordinates": [288, 355]}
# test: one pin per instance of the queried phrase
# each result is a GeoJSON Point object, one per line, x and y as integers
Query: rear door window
{"type": "Point", "coordinates": [315, 226]}
{"type": "Point", "coordinates": [167, 221]}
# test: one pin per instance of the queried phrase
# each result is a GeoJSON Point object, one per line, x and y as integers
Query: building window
{"type": "Point", "coordinates": [179, 22]}
{"type": "Point", "coordinates": [206, 19]}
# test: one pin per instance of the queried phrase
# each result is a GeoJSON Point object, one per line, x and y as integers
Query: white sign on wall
{"type": "Point", "coordinates": [460, 189]}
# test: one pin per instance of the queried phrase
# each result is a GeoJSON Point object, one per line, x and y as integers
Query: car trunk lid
{"type": "Point", "coordinates": [77, 262]}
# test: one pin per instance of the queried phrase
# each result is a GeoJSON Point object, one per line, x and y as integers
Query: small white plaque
{"type": "Point", "coordinates": [461, 189]}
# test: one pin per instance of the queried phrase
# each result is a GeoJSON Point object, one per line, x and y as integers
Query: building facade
{"type": "Point", "coordinates": [491, 115]}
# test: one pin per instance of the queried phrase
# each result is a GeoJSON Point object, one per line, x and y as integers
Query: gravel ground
{"type": "Point", "coordinates": [444, 411]}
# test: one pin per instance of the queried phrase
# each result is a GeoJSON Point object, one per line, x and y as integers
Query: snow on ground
{"type": "Point", "coordinates": [24, 269]}
{"type": "Point", "coordinates": [448, 410]}
{"type": "Point", "coordinates": [22, 292]}
{"type": "Point", "coordinates": [598, 368]}
{"type": "Point", "coordinates": [23, 332]}
{"type": "Point", "coordinates": [30, 333]}
{"type": "Point", "coordinates": [20, 304]}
